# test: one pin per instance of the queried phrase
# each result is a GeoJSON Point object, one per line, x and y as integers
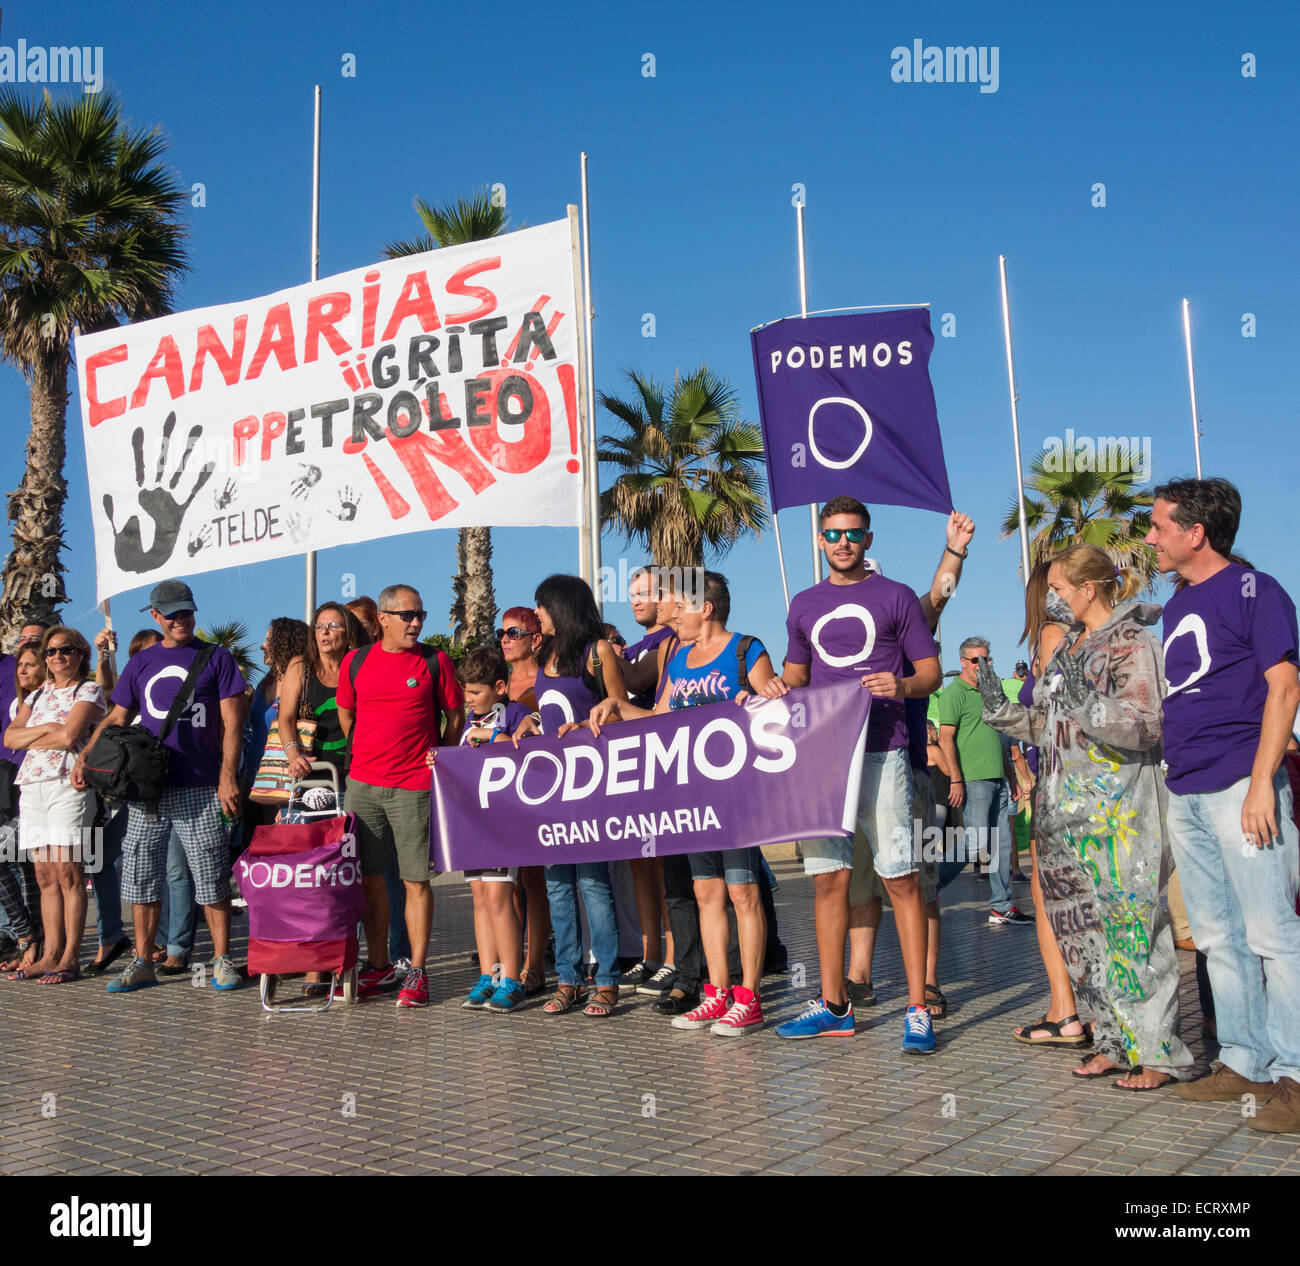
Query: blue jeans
{"type": "Point", "coordinates": [105, 882]}
{"type": "Point", "coordinates": [399, 942]}
{"type": "Point", "coordinates": [987, 807]}
{"type": "Point", "coordinates": [562, 886]}
{"type": "Point", "coordinates": [1241, 905]}
{"type": "Point", "coordinates": [178, 919]}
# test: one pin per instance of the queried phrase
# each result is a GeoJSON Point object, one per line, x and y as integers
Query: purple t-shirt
{"type": "Point", "coordinates": [1026, 698]}
{"type": "Point", "coordinates": [148, 685]}
{"type": "Point", "coordinates": [505, 715]}
{"type": "Point", "coordinates": [1221, 636]}
{"type": "Point", "coordinates": [561, 699]}
{"type": "Point", "coordinates": [847, 631]}
{"type": "Point", "coordinates": [648, 645]}
{"type": "Point", "coordinates": [8, 703]}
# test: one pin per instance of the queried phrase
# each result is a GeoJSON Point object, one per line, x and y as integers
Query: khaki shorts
{"type": "Point", "coordinates": [866, 885]}
{"type": "Point", "coordinates": [391, 817]}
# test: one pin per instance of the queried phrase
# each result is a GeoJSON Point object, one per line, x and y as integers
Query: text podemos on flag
{"type": "Point", "coordinates": [724, 776]}
{"type": "Point", "coordinates": [435, 390]}
{"type": "Point", "coordinates": [847, 409]}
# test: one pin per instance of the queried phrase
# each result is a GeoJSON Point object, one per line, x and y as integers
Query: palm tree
{"type": "Point", "coordinates": [691, 468]}
{"type": "Point", "coordinates": [474, 606]}
{"type": "Point", "coordinates": [90, 238]}
{"type": "Point", "coordinates": [233, 636]}
{"type": "Point", "coordinates": [1106, 508]}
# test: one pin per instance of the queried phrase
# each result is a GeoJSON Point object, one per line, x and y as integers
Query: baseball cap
{"type": "Point", "coordinates": [169, 596]}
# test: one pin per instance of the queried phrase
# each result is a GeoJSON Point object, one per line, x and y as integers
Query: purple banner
{"type": "Point", "coordinates": [725, 776]}
{"type": "Point", "coordinates": [847, 410]}
{"type": "Point", "coordinates": [309, 895]}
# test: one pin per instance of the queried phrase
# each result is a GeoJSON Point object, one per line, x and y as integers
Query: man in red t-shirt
{"type": "Point", "coordinates": [392, 715]}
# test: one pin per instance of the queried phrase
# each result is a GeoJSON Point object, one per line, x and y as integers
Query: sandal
{"type": "Point", "coordinates": [603, 1001]}
{"type": "Point", "coordinates": [1053, 1029]}
{"type": "Point", "coordinates": [1109, 1072]}
{"type": "Point", "coordinates": [939, 1007]}
{"type": "Point", "coordinates": [566, 997]}
{"type": "Point", "coordinates": [25, 943]}
{"type": "Point", "coordinates": [62, 976]}
{"type": "Point", "coordinates": [534, 983]}
{"type": "Point", "coordinates": [1141, 1090]}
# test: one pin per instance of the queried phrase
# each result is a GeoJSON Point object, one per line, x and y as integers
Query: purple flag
{"type": "Point", "coordinates": [705, 778]}
{"type": "Point", "coordinates": [847, 410]}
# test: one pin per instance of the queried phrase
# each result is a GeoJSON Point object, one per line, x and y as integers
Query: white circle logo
{"type": "Point", "coordinates": [172, 670]}
{"type": "Point", "coordinates": [555, 699]}
{"type": "Point", "coordinates": [847, 611]}
{"type": "Point", "coordinates": [867, 431]}
{"type": "Point", "coordinates": [1190, 625]}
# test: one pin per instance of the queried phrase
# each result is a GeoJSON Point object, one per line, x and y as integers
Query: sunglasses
{"type": "Point", "coordinates": [62, 652]}
{"type": "Point", "coordinates": [855, 535]}
{"type": "Point", "coordinates": [513, 635]}
{"type": "Point", "coordinates": [407, 617]}
{"type": "Point", "coordinates": [177, 616]}
{"type": "Point", "coordinates": [975, 659]}
{"type": "Point", "coordinates": [617, 641]}
{"type": "Point", "coordinates": [332, 627]}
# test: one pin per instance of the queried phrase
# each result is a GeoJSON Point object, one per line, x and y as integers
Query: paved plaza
{"type": "Point", "coordinates": [178, 1079]}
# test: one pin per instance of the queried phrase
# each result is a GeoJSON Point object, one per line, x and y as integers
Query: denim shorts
{"type": "Point", "coordinates": [866, 884]}
{"type": "Point", "coordinates": [735, 865]}
{"type": "Point", "coordinates": [884, 822]}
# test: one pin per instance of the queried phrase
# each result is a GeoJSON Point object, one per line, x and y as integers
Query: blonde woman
{"type": "Point", "coordinates": [51, 727]}
{"type": "Point", "coordinates": [1096, 718]}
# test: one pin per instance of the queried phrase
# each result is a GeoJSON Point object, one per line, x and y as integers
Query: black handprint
{"type": "Point", "coordinates": [226, 495]}
{"type": "Point", "coordinates": [306, 481]}
{"type": "Point", "coordinates": [198, 541]}
{"type": "Point", "coordinates": [349, 502]}
{"type": "Point", "coordinates": [157, 502]}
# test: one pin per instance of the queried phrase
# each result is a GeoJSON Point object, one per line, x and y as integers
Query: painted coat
{"type": "Point", "coordinates": [1104, 861]}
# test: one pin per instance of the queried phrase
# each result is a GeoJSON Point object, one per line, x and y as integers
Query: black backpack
{"type": "Point", "coordinates": [129, 762]}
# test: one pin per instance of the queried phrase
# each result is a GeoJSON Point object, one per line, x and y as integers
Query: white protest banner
{"type": "Point", "coordinates": [437, 390]}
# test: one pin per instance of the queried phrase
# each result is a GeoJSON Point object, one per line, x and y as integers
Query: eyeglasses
{"type": "Point", "coordinates": [855, 535]}
{"type": "Point", "coordinates": [407, 617]}
{"type": "Point", "coordinates": [63, 652]}
{"type": "Point", "coordinates": [332, 627]}
{"type": "Point", "coordinates": [513, 635]}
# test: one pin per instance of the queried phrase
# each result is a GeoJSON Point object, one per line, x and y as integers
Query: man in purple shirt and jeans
{"type": "Point", "coordinates": [858, 626]}
{"type": "Point", "coordinates": [1230, 703]}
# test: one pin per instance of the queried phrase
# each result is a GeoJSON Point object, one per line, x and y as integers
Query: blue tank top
{"type": "Point", "coordinates": [561, 699]}
{"type": "Point", "coordinates": [718, 681]}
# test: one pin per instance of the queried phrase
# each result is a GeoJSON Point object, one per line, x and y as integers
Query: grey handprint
{"type": "Point", "coordinates": [226, 495]}
{"type": "Point", "coordinates": [305, 482]}
{"type": "Point", "coordinates": [1073, 689]}
{"type": "Point", "coordinates": [349, 502]}
{"type": "Point", "coordinates": [988, 684]}
{"type": "Point", "coordinates": [157, 502]}
{"type": "Point", "coordinates": [298, 526]}
{"type": "Point", "coordinates": [200, 539]}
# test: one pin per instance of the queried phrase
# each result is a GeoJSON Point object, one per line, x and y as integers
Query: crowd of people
{"type": "Point", "coordinates": [1132, 741]}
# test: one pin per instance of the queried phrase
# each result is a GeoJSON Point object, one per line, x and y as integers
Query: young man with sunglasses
{"type": "Point", "coordinates": [858, 626]}
{"type": "Point", "coordinates": [392, 696]}
{"type": "Point", "coordinates": [202, 795]}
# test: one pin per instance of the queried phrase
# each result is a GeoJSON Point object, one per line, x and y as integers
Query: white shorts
{"type": "Point", "coordinates": [53, 814]}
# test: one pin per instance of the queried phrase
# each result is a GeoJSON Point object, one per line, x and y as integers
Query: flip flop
{"type": "Point", "coordinates": [63, 976]}
{"type": "Point", "coordinates": [1054, 1028]}
{"type": "Point", "coordinates": [1109, 1072]}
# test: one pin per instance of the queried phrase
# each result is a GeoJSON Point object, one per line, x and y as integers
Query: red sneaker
{"type": "Point", "coordinates": [373, 980]}
{"type": "Point", "coordinates": [714, 1007]}
{"type": "Point", "coordinates": [415, 989]}
{"type": "Point", "coordinates": [745, 1015]}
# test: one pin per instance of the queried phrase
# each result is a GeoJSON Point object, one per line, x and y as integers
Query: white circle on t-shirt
{"type": "Point", "coordinates": [846, 611]}
{"type": "Point", "coordinates": [561, 701]}
{"type": "Point", "coordinates": [172, 670]}
{"type": "Point", "coordinates": [1191, 625]}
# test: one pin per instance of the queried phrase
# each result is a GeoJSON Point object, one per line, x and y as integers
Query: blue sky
{"type": "Point", "coordinates": [912, 192]}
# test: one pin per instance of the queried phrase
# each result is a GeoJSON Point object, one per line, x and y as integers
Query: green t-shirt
{"type": "Point", "coordinates": [1011, 687]}
{"type": "Point", "coordinates": [979, 747]}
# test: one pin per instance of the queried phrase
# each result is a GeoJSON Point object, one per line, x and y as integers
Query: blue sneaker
{"type": "Point", "coordinates": [817, 1021]}
{"type": "Point", "coordinates": [138, 974]}
{"type": "Point", "coordinates": [477, 997]}
{"type": "Point", "coordinates": [507, 996]}
{"type": "Point", "coordinates": [918, 1032]}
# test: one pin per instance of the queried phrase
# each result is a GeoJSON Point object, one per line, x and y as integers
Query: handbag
{"type": "Point", "coordinates": [271, 785]}
{"type": "Point", "coordinates": [129, 762]}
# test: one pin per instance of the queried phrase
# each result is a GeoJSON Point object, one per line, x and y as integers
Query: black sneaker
{"type": "Point", "coordinates": [660, 983]}
{"type": "Point", "coordinates": [676, 1003]}
{"type": "Point", "coordinates": [1014, 916]}
{"type": "Point", "coordinates": [634, 975]}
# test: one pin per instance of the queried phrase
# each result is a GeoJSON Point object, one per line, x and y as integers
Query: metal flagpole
{"type": "Point", "coordinates": [584, 521]}
{"type": "Point", "coordinates": [813, 520]}
{"type": "Point", "coordinates": [1015, 419]}
{"type": "Point", "coordinates": [593, 485]}
{"type": "Point", "coordinates": [310, 590]}
{"type": "Point", "coordinates": [1191, 383]}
